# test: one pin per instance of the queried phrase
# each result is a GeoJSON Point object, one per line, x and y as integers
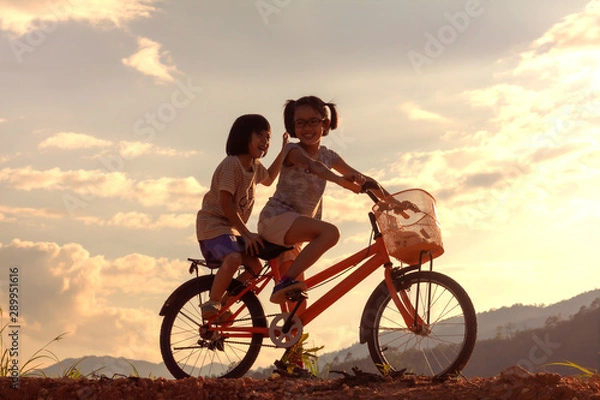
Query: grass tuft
{"type": "Point", "coordinates": [584, 372]}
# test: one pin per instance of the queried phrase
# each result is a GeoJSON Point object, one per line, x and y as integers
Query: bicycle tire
{"type": "Point", "coordinates": [446, 345]}
{"type": "Point", "coordinates": [186, 353]}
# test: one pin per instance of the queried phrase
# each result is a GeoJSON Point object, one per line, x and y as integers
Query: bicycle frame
{"type": "Point", "coordinates": [375, 255]}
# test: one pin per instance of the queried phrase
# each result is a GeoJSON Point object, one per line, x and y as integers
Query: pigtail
{"type": "Point", "coordinates": [333, 115]}
{"type": "Point", "coordinates": [288, 117]}
{"type": "Point", "coordinates": [317, 104]}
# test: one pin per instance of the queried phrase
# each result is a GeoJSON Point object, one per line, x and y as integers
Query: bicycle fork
{"type": "Point", "coordinates": [401, 299]}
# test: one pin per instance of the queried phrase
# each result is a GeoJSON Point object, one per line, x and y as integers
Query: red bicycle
{"type": "Point", "coordinates": [416, 319]}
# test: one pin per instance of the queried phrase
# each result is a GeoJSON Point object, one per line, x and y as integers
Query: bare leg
{"type": "Point", "coordinates": [320, 235]}
{"type": "Point", "coordinates": [251, 262]}
{"type": "Point", "coordinates": [224, 275]}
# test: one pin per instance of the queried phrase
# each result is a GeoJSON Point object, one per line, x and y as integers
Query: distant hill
{"type": "Point", "coordinates": [576, 339]}
{"type": "Point", "coordinates": [508, 330]}
{"type": "Point", "coordinates": [520, 317]}
{"type": "Point", "coordinates": [109, 366]}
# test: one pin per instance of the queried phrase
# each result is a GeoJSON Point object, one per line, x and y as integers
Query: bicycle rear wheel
{"type": "Point", "coordinates": [190, 347]}
{"type": "Point", "coordinates": [445, 341]}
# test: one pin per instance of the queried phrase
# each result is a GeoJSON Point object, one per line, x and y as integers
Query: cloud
{"type": "Point", "coordinates": [173, 193]}
{"type": "Point", "coordinates": [340, 205]}
{"type": "Point", "coordinates": [578, 30]}
{"type": "Point", "coordinates": [22, 214]}
{"type": "Point", "coordinates": [35, 217]}
{"type": "Point", "coordinates": [550, 96]}
{"type": "Point", "coordinates": [126, 149]}
{"type": "Point", "coordinates": [136, 220]}
{"type": "Point", "coordinates": [94, 182]}
{"type": "Point", "coordinates": [21, 17]}
{"type": "Point", "coordinates": [147, 60]}
{"type": "Point", "coordinates": [73, 141]}
{"type": "Point", "coordinates": [415, 112]}
{"type": "Point", "coordinates": [82, 294]}
{"type": "Point", "coordinates": [130, 150]}
{"type": "Point", "coordinates": [542, 128]}
{"type": "Point", "coordinates": [484, 187]}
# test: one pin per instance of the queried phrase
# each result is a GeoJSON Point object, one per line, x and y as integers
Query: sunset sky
{"type": "Point", "coordinates": [114, 114]}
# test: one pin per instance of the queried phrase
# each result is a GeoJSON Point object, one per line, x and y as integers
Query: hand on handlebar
{"type": "Point", "coordinates": [357, 178]}
{"type": "Point", "coordinates": [374, 190]}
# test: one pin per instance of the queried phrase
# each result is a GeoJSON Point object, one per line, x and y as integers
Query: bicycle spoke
{"type": "Point", "coordinates": [191, 347]}
{"type": "Point", "coordinates": [442, 345]}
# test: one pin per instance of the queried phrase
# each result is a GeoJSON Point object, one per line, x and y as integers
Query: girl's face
{"type": "Point", "coordinates": [309, 125]}
{"type": "Point", "coordinates": [259, 143]}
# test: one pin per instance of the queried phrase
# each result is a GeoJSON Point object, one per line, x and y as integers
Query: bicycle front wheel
{"type": "Point", "coordinates": [442, 340]}
{"type": "Point", "coordinates": [191, 347]}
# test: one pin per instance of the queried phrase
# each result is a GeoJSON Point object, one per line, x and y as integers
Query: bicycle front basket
{"type": "Point", "coordinates": [409, 225]}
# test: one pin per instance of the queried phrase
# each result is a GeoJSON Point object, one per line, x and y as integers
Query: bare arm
{"type": "Point", "coordinates": [275, 167]}
{"type": "Point", "coordinates": [300, 159]}
{"type": "Point", "coordinates": [353, 175]}
{"type": "Point", "coordinates": [252, 240]}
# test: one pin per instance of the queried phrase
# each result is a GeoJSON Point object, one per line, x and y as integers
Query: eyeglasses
{"type": "Point", "coordinates": [301, 123]}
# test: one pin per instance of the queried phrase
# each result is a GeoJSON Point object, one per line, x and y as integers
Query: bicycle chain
{"type": "Point", "coordinates": [250, 319]}
{"type": "Point", "coordinates": [248, 344]}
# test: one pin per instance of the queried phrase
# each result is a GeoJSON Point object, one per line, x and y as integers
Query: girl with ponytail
{"type": "Point", "coordinates": [293, 214]}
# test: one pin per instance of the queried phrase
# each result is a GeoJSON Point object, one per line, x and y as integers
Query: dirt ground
{"type": "Point", "coordinates": [513, 383]}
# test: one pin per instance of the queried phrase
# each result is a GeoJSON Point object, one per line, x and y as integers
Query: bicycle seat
{"type": "Point", "coordinates": [211, 265]}
{"type": "Point", "coordinates": [269, 251]}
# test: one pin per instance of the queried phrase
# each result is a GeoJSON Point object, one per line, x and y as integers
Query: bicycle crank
{"type": "Point", "coordinates": [282, 337]}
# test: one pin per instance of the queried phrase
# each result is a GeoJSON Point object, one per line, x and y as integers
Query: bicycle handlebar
{"type": "Point", "coordinates": [397, 207]}
{"type": "Point", "coordinates": [371, 185]}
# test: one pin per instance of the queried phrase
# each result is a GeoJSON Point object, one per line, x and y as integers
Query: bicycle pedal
{"type": "Point", "coordinates": [296, 295]}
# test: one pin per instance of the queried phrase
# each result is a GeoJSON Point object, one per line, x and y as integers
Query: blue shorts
{"type": "Point", "coordinates": [215, 249]}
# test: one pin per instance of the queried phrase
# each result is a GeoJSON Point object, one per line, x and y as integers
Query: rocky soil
{"type": "Point", "coordinates": [513, 383]}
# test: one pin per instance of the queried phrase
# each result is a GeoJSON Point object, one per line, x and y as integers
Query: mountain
{"type": "Point", "coordinates": [512, 330]}
{"type": "Point", "coordinates": [108, 366]}
{"type": "Point", "coordinates": [576, 340]}
{"type": "Point", "coordinates": [519, 317]}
